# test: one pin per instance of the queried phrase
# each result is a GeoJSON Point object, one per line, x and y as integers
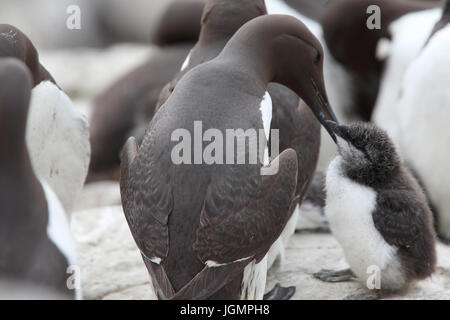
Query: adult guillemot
{"type": "Point", "coordinates": [36, 246]}
{"type": "Point", "coordinates": [57, 134]}
{"type": "Point", "coordinates": [179, 23]}
{"type": "Point", "coordinates": [280, 107]}
{"type": "Point", "coordinates": [204, 230]}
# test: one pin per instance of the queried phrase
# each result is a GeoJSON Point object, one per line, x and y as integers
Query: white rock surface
{"type": "Point", "coordinates": [112, 268]}
{"type": "Point", "coordinates": [111, 265]}
{"type": "Point", "coordinates": [308, 253]}
{"type": "Point", "coordinates": [99, 194]}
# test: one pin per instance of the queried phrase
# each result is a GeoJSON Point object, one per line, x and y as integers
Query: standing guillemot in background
{"type": "Point", "coordinates": [424, 136]}
{"type": "Point", "coordinates": [354, 45]}
{"type": "Point", "coordinates": [312, 9]}
{"type": "Point", "coordinates": [57, 134]}
{"type": "Point", "coordinates": [219, 22]}
{"type": "Point", "coordinates": [204, 230]}
{"type": "Point", "coordinates": [280, 108]}
{"type": "Point", "coordinates": [377, 212]}
{"type": "Point", "coordinates": [35, 240]}
{"type": "Point", "coordinates": [179, 23]}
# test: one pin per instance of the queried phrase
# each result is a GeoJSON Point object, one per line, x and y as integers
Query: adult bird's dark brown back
{"type": "Point", "coordinates": [200, 227]}
{"type": "Point", "coordinates": [292, 117]}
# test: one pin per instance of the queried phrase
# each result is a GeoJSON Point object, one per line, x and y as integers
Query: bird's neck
{"type": "Point", "coordinates": [208, 35]}
{"type": "Point", "coordinates": [253, 61]}
{"type": "Point", "coordinates": [12, 146]}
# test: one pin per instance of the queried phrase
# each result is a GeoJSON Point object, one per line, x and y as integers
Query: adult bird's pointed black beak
{"type": "Point", "coordinates": [324, 112]}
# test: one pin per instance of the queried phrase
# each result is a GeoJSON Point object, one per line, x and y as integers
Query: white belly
{"type": "Point", "coordinates": [186, 61]}
{"type": "Point", "coordinates": [349, 211]}
{"type": "Point", "coordinates": [409, 35]}
{"type": "Point", "coordinates": [278, 248]}
{"type": "Point", "coordinates": [57, 139]}
{"type": "Point", "coordinates": [266, 116]}
{"type": "Point", "coordinates": [254, 280]}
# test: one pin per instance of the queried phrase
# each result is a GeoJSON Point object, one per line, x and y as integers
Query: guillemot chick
{"type": "Point", "coordinates": [377, 212]}
{"type": "Point", "coordinates": [57, 133]}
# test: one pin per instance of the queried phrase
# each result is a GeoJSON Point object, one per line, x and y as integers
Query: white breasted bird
{"type": "Point", "coordinates": [377, 212]}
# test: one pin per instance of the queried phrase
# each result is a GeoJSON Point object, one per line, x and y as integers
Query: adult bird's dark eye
{"type": "Point", "coordinates": [317, 59]}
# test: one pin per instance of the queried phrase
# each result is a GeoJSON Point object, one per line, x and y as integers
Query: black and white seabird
{"type": "Point", "coordinates": [35, 242]}
{"type": "Point", "coordinates": [57, 133]}
{"type": "Point", "coordinates": [377, 212]}
{"type": "Point", "coordinates": [280, 109]}
{"type": "Point", "coordinates": [204, 230]}
{"type": "Point", "coordinates": [423, 133]}
{"type": "Point", "coordinates": [312, 9]}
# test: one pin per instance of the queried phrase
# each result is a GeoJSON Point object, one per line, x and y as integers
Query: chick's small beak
{"type": "Point", "coordinates": [334, 127]}
{"type": "Point", "coordinates": [324, 112]}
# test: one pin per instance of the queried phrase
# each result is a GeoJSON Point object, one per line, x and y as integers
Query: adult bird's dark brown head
{"type": "Point", "coordinates": [283, 50]}
{"type": "Point", "coordinates": [232, 14]}
{"type": "Point", "coordinates": [15, 44]}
